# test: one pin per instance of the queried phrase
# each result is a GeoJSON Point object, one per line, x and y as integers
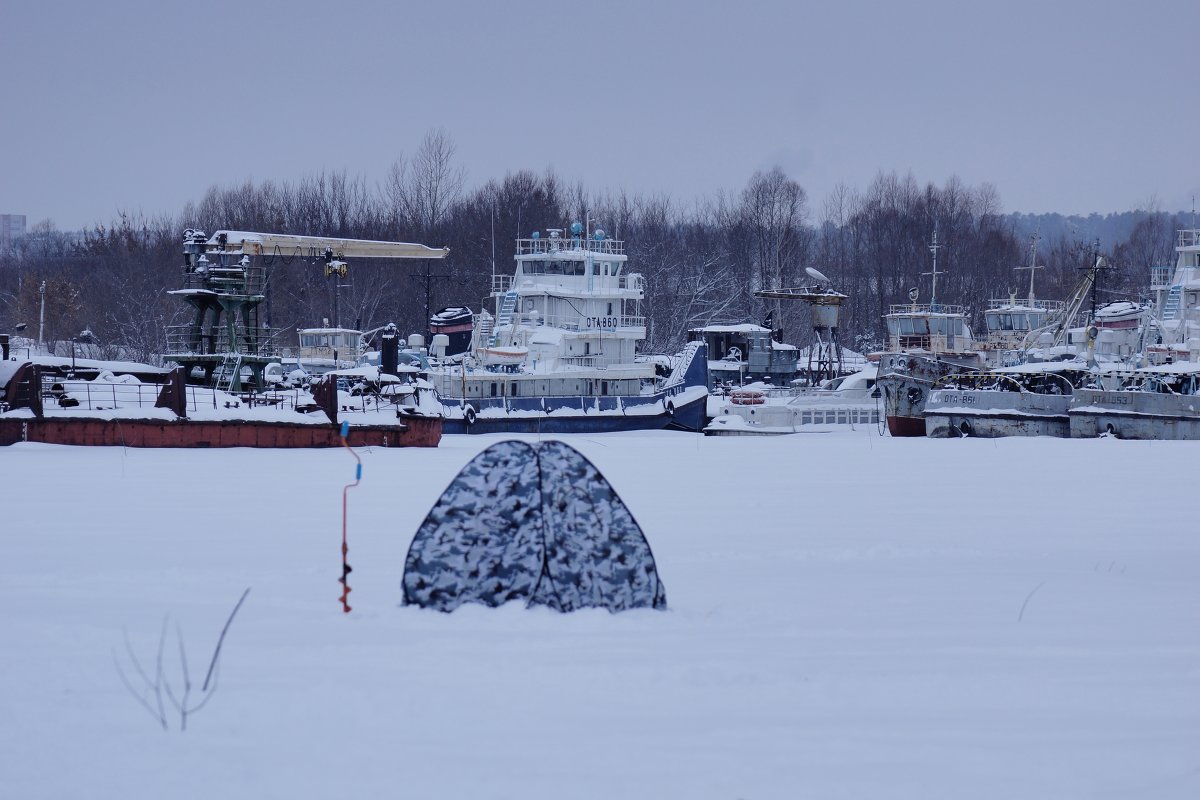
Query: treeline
{"type": "Point", "coordinates": [702, 263]}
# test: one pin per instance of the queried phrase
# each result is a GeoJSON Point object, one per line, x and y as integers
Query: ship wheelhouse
{"type": "Point", "coordinates": [934, 328]}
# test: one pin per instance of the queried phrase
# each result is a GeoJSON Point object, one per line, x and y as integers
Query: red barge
{"type": "Point", "coordinates": [222, 394]}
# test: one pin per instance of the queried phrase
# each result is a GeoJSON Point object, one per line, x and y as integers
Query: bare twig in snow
{"type": "Point", "coordinates": [160, 684]}
{"type": "Point", "coordinates": [1027, 598]}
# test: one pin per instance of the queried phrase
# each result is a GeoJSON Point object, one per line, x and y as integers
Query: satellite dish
{"type": "Point", "coordinates": [816, 275]}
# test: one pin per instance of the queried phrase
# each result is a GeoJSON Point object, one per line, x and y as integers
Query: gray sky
{"type": "Point", "coordinates": [1071, 107]}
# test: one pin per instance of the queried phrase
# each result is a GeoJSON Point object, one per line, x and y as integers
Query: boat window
{"type": "Point", "coordinates": [992, 323]}
{"type": "Point", "coordinates": [493, 390]}
{"type": "Point", "coordinates": [906, 325]}
{"type": "Point", "coordinates": [958, 327]}
{"type": "Point", "coordinates": [938, 325]}
{"type": "Point", "coordinates": [893, 326]}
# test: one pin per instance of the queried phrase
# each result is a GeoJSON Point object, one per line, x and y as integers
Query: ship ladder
{"type": "Point", "coordinates": [680, 369]}
{"type": "Point", "coordinates": [507, 306]}
{"type": "Point", "coordinates": [229, 372]}
{"type": "Point", "coordinates": [1171, 307]}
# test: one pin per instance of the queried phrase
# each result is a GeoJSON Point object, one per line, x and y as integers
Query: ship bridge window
{"type": "Point", "coordinates": [958, 328]}
{"type": "Point", "coordinates": [893, 326]}
{"type": "Point", "coordinates": [938, 325]}
{"type": "Point", "coordinates": [906, 325]}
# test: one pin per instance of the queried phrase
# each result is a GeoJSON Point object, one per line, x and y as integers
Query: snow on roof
{"type": "Point", "coordinates": [745, 327]}
{"type": "Point", "coordinates": [1174, 368]}
{"type": "Point", "coordinates": [1044, 366]}
{"type": "Point", "coordinates": [9, 368]}
{"type": "Point", "coordinates": [1118, 309]}
{"type": "Point", "coordinates": [372, 374]}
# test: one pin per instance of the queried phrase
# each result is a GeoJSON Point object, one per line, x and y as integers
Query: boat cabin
{"type": "Point", "coordinates": [931, 327]}
{"type": "Point", "coordinates": [739, 354]}
{"type": "Point", "coordinates": [331, 348]}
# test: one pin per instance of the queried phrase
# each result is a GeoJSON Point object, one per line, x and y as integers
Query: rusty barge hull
{"type": "Point", "coordinates": [184, 433]}
{"type": "Point", "coordinates": [1135, 415]}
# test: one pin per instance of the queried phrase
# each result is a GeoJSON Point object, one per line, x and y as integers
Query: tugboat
{"type": "Point", "coordinates": [925, 342]}
{"type": "Point", "coordinates": [559, 355]}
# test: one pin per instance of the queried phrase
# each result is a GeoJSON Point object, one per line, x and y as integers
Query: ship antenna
{"type": "Point", "coordinates": [933, 248]}
{"type": "Point", "coordinates": [494, 241]}
{"type": "Point", "coordinates": [1033, 265]}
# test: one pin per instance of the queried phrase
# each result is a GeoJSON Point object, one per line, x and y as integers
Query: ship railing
{"type": "Point", "coordinates": [927, 308]}
{"type": "Point", "coordinates": [187, 339]}
{"type": "Point", "coordinates": [1160, 277]}
{"type": "Point", "coordinates": [1053, 306]}
{"type": "Point", "coordinates": [1189, 237]}
{"type": "Point", "coordinates": [97, 395]}
{"type": "Point", "coordinates": [1035, 382]}
{"type": "Point", "coordinates": [501, 284]}
{"type": "Point", "coordinates": [552, 244]}
{"type": "Point", "coordinates": [250, 280]}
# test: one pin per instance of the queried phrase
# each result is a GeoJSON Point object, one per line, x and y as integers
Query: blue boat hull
{"type": "Point", "coordinates": [603, 415]}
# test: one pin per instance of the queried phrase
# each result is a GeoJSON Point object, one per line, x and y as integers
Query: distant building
{"type": "Point", "coordinates": [12, 227]}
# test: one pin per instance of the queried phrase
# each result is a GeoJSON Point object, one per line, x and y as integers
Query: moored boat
{"type": "Point", "coordinates": [764, 410]}
{"type": "Point", "coordinates": [560, 353]}
{"type": "Point", "coordinates": [1024, 400]}
{"type": "Point", "coordinates": [1159, 402]}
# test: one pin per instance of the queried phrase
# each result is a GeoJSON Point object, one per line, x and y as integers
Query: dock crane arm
{"type": "Point", "coordinates": [266, 244]}
{"type": "Point", "coordinates": [1062, 324]}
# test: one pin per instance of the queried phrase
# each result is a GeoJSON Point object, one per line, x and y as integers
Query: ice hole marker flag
{"type": "Point", "coordinates": [535, 523]}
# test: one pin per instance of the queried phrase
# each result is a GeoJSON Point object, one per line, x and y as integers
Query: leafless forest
{"type": "Point", "coordinates": [702, 260]}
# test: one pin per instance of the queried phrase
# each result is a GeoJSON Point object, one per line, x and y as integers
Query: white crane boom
{"type": "Point", "coordinates": [267, 244]}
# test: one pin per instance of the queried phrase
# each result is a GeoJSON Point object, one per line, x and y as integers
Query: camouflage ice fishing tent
{"type": "Point", "coordinates": [536, 523]}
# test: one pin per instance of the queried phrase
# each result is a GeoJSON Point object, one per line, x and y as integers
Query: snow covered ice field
{"type": "Point", "coordinates": [850, 616]}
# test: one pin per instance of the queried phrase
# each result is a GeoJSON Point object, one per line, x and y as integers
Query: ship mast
{"type": "Point", "coordinates": [933, 248]}
{"type": "Point", "coordinates": [1033, 265]}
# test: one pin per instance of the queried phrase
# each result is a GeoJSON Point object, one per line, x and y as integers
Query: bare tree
{"type": "Point", "coordinates": [423, 190]}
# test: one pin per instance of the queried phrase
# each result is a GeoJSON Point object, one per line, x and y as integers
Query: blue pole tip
{"type": "Point", "coordinates": [345, 429]}
{"type": "Point", "coordinates": [358, 473]}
